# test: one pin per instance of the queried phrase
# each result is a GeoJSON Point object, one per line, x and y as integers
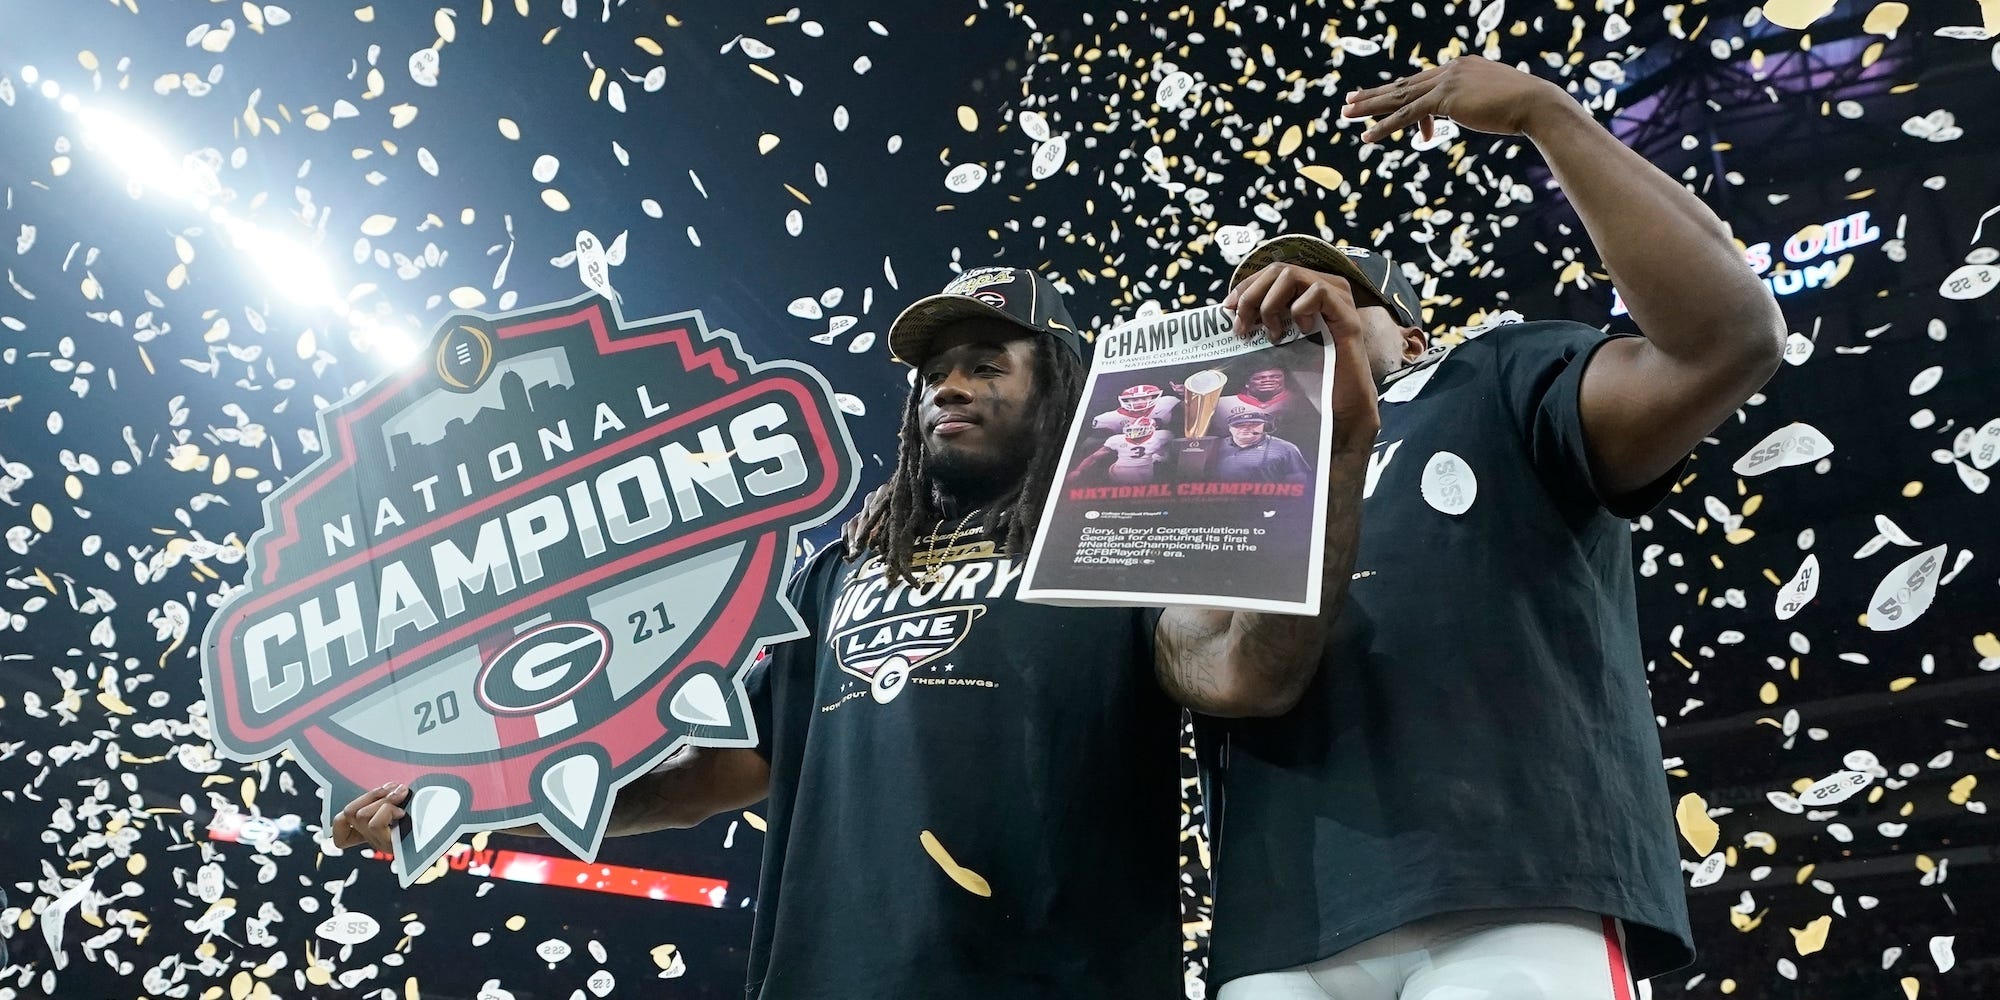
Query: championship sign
{"type": "Point", "coordinates": [526, 570]}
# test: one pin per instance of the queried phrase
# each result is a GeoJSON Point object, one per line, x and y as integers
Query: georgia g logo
{"type": "Point", "coordinates": [527, 570]}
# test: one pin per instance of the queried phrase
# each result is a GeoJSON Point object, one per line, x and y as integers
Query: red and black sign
{"type": "Point", "coordinates": [527, 570]}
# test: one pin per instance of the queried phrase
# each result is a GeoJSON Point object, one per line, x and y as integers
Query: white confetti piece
{"type": "Point", "coordinates": [1236, 242]}
{"type": "Point", "coordinates": [1834, 788]}
{"type": "Point", "coordinates": [424, 67]}
{"type": "Point", "coordinates": [1050, 157]}
{"type": "Point", "coordinates": [965, 178]}
{"type": "Point", "coordinates": [1906, 593]}
{"type": "Point", "coordinates": [1793, 444]}
{"type": "Point", "coordinates": [544, 170]}
{"type": "Point", "coordinates": [1173, 90]}
{"type": "Point", "coordinates": [1709, 871]}
{"type": "Point", "coordinates": [552, 951]}
{"type": "Point", "coordinates": [1800, 590]}
{"type": "Point", "coordinates": [1798, 349]}
{"type": "Point", "coordinates": [1941, 952]}
{"type": "Point", "coordinates": [1035, 125]}
{"type": "Point", "coordinates": [1448, 484]}
{"type": "Point", "coordinates": [1970, 281]}
{"type": "Point", "coordinates": [348, 927]}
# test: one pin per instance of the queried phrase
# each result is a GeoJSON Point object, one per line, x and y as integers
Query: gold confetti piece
{"type": "Point", "coordinates": [1910, 987]}
{"type": "Point", "coordinates": [516, 922]}
{"type": "Point", "coordinates": [1912, 488]}
{"type": "Point", "coordinates": [239, 985]}
{"type": "Point", "coordinates": [1289, 143]}
{"type": "Point", "coordinates": [87, 59]}
{"type": "Point", "coordinates": [1987, 644]}
{"type": "Point", "coordinates": [509, 129]}
{"type": "Point", "coordinates": [219, 472]}
{"type": "Point", "coordinates": [1990, 13]}
{"type": "Point", "coordinates": [1796, 14]}
{"type": "Point", "coordinates": [651, 47]}
{"type": "Point", "coordinates": [765, 73]}
{"type": "Point", "coordinates": [401, 115]}
{"type": "Point", "coordinates": [447, 28]}
{"type": "Point", "coordinates": [968, 119]}
{"type": "Point", "coordinates": [1739, 536]}
{"type": "Point", "coordinates": [1961, 790]}
{"type": "Point", "coordinates": [1901, 683]}
{"type": "Point", "coordinates": [317, 975]}
{"type": "Point", "coordinates": [756, 822]}
{"type": "Point", "coordinates": [766, 142]}
{"type": "Point", "coordinates": [1768, 694]}
{"type": "Point", "coordinates": [410, 991]}
{"type": "Point", "coordinates": [1728, 986]}
{"type": "Point", "coordinates": [555, 199]}
{"type": "Point", "coordinates": [966, 878]}
{"type": "Point", "coordinates": [136, 864]}
{"type": "Point", "coordinates": [318, 121]}
{"type": "Point", "coordinates": [378, 225]}
{"type": "Point", "coordinates": [42, 519]}
{"type": "Point", "coordinates": [663, 956]}
{"type": "Point", "coordinates": [1700, 830]}
{"type": "Point", "coordinates": [1322, 175]}
{"type": "Point", "coordinates": [365, 14]}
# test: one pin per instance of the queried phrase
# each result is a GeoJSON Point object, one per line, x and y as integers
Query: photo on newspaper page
{"type": "Point", "coordinates": [1191, 475]}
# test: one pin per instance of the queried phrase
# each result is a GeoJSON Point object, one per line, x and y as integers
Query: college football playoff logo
{"type": "Point", "coordinates": [527, 570]}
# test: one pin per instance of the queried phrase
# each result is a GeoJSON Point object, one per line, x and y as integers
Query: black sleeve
{"type": "Point", "coordinates": [783, 677]}
{"type": "Point", "coordinates": [1541, 368]}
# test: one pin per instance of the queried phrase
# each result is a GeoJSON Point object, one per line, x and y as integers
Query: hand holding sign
{"type": "Point", "coordinates": [370, 819]}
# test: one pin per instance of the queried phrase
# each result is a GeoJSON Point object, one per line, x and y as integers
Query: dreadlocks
{"type": "Point", "coordinates": [909, 507]}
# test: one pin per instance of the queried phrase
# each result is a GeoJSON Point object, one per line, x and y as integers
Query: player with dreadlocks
{"type": "Point", "coordinates": [971, 796]}
{"type": "Point", "coordinates": [925, 488]}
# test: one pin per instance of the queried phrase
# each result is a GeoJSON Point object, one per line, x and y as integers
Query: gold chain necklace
{"type": "Point", "coordinates": [931, 572]}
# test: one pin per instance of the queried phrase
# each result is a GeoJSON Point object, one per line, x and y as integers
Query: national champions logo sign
{"type": "Point", "coordinates": [526, 571]}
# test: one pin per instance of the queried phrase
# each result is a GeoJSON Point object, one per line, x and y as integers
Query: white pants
{"type": "Point", "coordinates": [1480, 955]}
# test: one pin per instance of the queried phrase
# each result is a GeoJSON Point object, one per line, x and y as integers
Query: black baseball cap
{"type": "Point", "coordinates": [1371, 269]}
{"type": "Point", "coordinates": [1015, 294]}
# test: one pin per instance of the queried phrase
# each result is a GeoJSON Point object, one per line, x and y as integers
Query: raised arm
{"type": "Point", "coordinates": [1713, 332]}
{"type": "Point", "coordinates": [1246, 663]}
{"type": "Point", "coordinates": [684, 790]}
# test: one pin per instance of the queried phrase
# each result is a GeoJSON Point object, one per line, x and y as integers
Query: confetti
{"type": "Point", "coordinates": [1696, 827]}
{"type": "Point", "coordinates": [967, 879]}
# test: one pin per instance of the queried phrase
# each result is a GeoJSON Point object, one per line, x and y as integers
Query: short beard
{"type": "Point", "coordinates": [961, 482]}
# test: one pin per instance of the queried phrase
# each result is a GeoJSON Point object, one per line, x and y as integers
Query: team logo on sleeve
{"type": "Point", "coordinates": [527, 569]}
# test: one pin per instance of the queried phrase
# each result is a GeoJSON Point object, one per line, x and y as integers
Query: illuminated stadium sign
{"type": "Point", "coordinates": [1811, 250]}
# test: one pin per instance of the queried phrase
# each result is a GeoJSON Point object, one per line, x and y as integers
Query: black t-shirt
{"type": "Point", "coordinates": [1028, 744]}
{"type": "Point", "coordinates": [1479, 735]}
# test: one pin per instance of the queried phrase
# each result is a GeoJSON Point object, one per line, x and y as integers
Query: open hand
{"type": "Point", "coordinates": [371, 818]}
{"type": "Point", "coordinates": [1476, 93]}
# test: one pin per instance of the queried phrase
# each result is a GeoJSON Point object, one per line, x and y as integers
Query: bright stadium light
{"type": "Point", "coordinates": [288, 264]}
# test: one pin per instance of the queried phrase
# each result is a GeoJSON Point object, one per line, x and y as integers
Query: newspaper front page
{"type": "Point", "coordinates": [1192, 472]}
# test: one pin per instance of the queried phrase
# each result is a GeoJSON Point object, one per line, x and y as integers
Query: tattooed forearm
{"type": "Point", "coordinates": [1247, 663]}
